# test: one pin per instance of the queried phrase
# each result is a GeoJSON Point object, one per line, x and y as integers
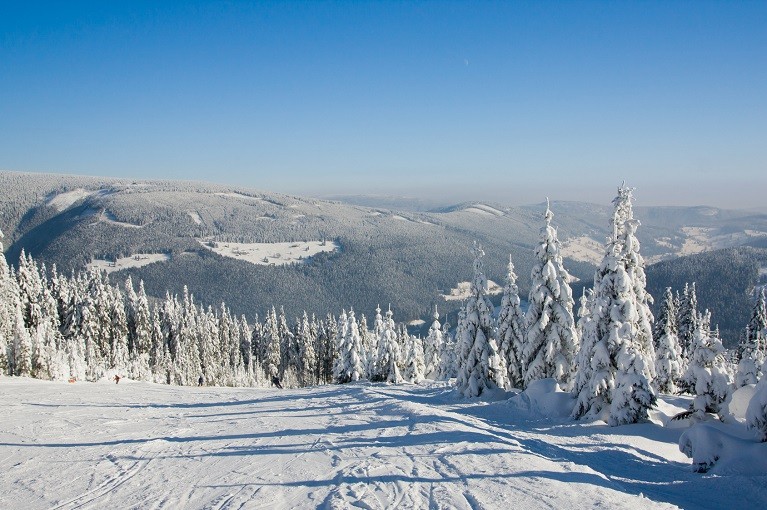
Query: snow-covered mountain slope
{"type": "Point", "coordinates": [137, 445]}
{"type": "Point", "coordinates": [408, 258]}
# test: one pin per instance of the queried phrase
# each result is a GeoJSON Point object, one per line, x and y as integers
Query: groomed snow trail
{"type": "Point", "coordinates": [364, 446]}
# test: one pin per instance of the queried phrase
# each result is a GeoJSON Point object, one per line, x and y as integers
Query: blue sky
{"type": "Point", "coordinates": [507, 101]}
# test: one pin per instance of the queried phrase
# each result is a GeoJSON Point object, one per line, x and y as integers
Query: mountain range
{"type": "Point", "coordinates": [254, 249]}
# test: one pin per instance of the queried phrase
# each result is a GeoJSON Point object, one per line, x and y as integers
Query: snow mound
{"type": "Point", "coordinates": [737, 403]}
{"type": "Point", "coordinates": [545, 398]}
{"type": "Point", "coordinates": [715, 447]}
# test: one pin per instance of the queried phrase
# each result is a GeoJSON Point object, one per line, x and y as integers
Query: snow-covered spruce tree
{"type": "Point", "coordinates": [752, 347]}
{"type": "Point", "coordinates": [551, 340]}
{"type": "Point", "coordinates": [272, 355]}
{"type": "Point", "coordinates": [349, 364]}
{"type": "Point", "coordinates": [643, 300]}
{"type": "Point", "coordinates": [706, 375]}
{"type": "Point", "coordinates": [414, 362]}
{"type": "Point", "coordinates": [477, 347]}
{"type": "Point", "coordinates": [511, 329]}
{"type": "Point", "coordinates": [369, 347]}
{"type": "Point", "coordinates": [617, 375]}
{"type": "Point", "coordinates": [687, 320]}
{"type": "Point", "coordinates": [434, 344]}
{"type": "Point", "coordinates": [307, 354]}
{"type": "Point", "coordinates": [388, 352]}
{"type": "Point", "coordinates": [668, 353]}
{"type": "Point", "coordinates": [587, 334]}
{"type": "Point", "coordinates": [375, 339]}
{"type": "Point", "coordinates": [448, 358]}
{"type": "Point", "coordinates": [9, 302]}
{"type": "Point", "coordinates": [756, 414]}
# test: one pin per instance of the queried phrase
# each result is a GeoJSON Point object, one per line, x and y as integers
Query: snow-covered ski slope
{"type": "Point", "coordinates": [136, 445]}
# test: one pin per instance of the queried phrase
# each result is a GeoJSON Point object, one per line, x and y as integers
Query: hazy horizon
{"type": "Point", "coordinates": [500, 101]}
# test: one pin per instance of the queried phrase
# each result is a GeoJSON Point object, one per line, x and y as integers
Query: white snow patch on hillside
{"type": "Point", "coordinates": [463, 291]}
{"type": "Point", "coordinates": [477, 210]}
{"type": "Point", "coordinates": [488, 209]}
{"type": "Point", "coordinates": [583, 249]}
{"type": "Point", "coordinates": [108, 217]}
{"type": "Point", "coordinates": [266, 254]}
{"type": "Point", "coordinates": [400, 218]}
{"type": "Point", "coordinates": [139, 445]}
{"type": "Point", "coordinates": [195, 217]}
{"type": "Point", "coordinates": [417, 322]}
{"type": "Point", "coordinates": [63, 201]}
{"type": "Point", "coordinates": [239, 195]}
{"type": "Point", "coordinates": [138, 260]}
{"type": "Point", "coordinates": [665, 242]}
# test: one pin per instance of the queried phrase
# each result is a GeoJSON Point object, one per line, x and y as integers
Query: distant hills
{"type": "Point", "coordinates": [220, 241]}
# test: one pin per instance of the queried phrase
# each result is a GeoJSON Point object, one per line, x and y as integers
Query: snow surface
{"type": "Point", "coordinates": [239, 195]}
{"type": "Point", "coordinates": [583, 249]}
{"type": "Point", "coordinates": [63, 201]}
{"type": "Point", "coordinates": [195, 217]}
{"type": "Point", "coordinates": [265, 254]}
{"type": "Point", "coordinates": [463, 291]}
{"type": "Point", "coordinates": [484, 210]}
{"type": "Point", "coordinates": [139, 260]}
{"type": "Point", "coordinates": [139, 445]}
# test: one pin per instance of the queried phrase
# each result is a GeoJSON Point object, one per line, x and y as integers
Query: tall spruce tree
{"type": "Point", "coordinates": [477, 346]}
{"type": "Point", "coordinates": [614, 345]}
{"type": "Point", "coordinates": [551, 339]}
{"type": "Point", "coordinates": [668, 361]}
{"type": "Point", "coordinates": [511, 329]}
{"type": "Point", "coordinates": [687, 319]}
{"type": "Point", "coordinates": [434, 344]}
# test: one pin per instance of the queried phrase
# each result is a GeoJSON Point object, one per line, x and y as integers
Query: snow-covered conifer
{"type": "Point", "coordinates": [751, 349]}
{"type": "Point", "coordinates": [511, 329]}
{"type": "Point", "coordinates": [551, 340]}
{"type": "Point", "coordinates": [271, 341]}
{"type": "Point", "coordinates": [477, 348]}
{"type": "Point", "coordinates": [389, 353]}
{"type": "Point", "coordinates": [668, 362]}
{"type": "Point", "coordinates": [756, 413]}
{"type": "Point", "coordinates": [434, 344]}
{"type": "Point", "coordinates": [617, 374]}
{"type": "Point", "coordinates": [706, 375]}
{"type": "Point", "coordinates": [414, 360]}
{"type": "Point", "coordinates": [687, 319]}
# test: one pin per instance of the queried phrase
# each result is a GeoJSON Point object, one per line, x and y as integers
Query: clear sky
{"type": "Point", "coordinates": [507, 101]}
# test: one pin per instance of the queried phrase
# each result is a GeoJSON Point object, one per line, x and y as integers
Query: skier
{"type": "Point", "coordinates": [273, 374]}
{"type": "Point", "coordinates": [199, 381]}
{"type": "Point", "coordinates": [117, 379]}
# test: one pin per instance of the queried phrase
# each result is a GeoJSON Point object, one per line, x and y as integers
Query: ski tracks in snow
{"type": "Point", "coordinates": [357, 446]}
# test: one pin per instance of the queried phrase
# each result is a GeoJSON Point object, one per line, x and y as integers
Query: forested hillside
{"type": "Point", "coordinates": [410, 259]}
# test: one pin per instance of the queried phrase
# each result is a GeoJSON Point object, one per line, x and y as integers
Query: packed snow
{"type": "Point", "coordinates": [266, 254]}
{"type": "Point", "coordinates": [138, 260]}
{"type": "Point", "coordinates": [140, 445]}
